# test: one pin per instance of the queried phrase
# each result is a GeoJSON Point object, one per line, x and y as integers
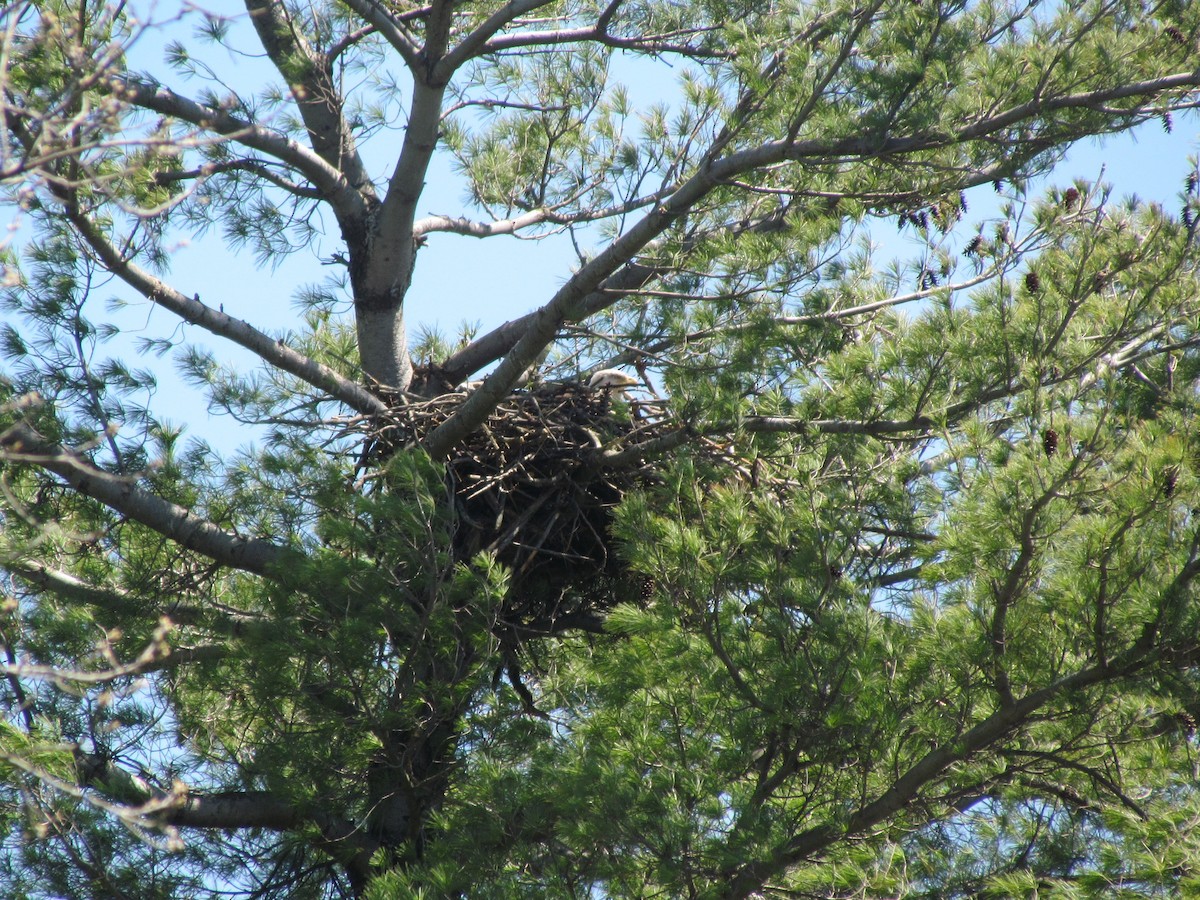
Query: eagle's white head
{"type": "Point", "coordinates": [611, 379]}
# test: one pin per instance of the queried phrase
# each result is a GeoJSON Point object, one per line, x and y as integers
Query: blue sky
{"type": "Point", "coordinates": [465, 279]}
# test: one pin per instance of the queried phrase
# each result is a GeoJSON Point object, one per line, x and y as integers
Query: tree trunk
{"type": "Point", "coordinates": [382, 344]}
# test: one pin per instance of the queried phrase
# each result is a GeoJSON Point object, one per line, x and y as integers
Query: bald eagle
{"type": "Point", "coordinates": [611, 379]}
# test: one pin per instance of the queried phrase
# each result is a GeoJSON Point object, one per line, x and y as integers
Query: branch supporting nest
{"type": "Point", "coordinates": [531, 487]}
{"type": "Point", "coordinates": [536, 486]}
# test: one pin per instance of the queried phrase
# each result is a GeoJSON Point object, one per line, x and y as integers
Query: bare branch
{"type": "Point", "coordinates": [471, 228]}
{"type": "Point", "coordinates": [389, 25]}
{"type": "Point", "coordinates": [491, 104]}
{"type": "Point", "coordinates": [656, 43]}
{"type": "Point", "coordinates": [345, 42]}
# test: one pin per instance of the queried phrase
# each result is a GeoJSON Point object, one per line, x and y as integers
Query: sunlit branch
{"type": "Point", "coordinates": [213, 616]}
{"type": "Point", "coordinates": [1122, 356]}
{"type": "Point", "coordinates": [66, 585]}
{"type": "Point", "coordinates": [599, 33]}
{"type": "Point", "coordinates": [390, 27]}
{"type": "Point", "coordinates": [472, 228]}
{"type": "Point", "coordinates": [479, 40]}
{"type": "Point", "coordinates": [192, 310]}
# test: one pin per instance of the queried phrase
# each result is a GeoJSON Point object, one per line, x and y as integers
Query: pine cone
{"type": "Point", "coordinates": [1170, 479]}
{"type": "Point", "coordinates": [1050, 441]}
{"type": "Point", "coordinates": [646, 591]}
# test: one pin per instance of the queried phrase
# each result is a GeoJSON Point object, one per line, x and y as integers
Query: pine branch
{"type": "Point", "coordinates": [748, 878]}
{"type": "Point", "coordinates": [21, 443]}
{"type": "Point", "coordinates": [569, 304]}
{"type": "Point", "coordinates": [213, 616]}
{"type": "Point", "coordinates": [270, 350]}
{"type": "Point", "coordinates": [333, 185]}
{"type": "Point", "coordinates": [315, 95]}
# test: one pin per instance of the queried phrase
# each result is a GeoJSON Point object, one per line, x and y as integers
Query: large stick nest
{"type": "Point", "coordinates": [531, 487]}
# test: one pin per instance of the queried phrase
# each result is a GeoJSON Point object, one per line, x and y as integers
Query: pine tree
{"type": "Point", "coordinates": [860, 582]}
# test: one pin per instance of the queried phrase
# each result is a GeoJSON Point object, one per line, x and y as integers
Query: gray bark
{"type": "Point", "coordinates": [383, 347]}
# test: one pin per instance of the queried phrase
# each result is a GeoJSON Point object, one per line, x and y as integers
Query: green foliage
{"type": "Point", "coordinates": [917, 545]}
